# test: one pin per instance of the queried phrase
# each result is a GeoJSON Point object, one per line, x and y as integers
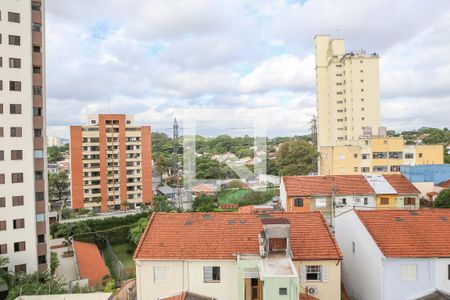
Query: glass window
{"type": "Point", "coordinates": [282, 291]}
{"type": "Point", "coordinates": [321, 202]}
{"type": "Point", "coordinates": [211, 274]}
{"type": "Point", "coordinates": [38, 154]}
{"type": "Point", "coordinates": [313, 273]}
{"type": "Point", "coordinates": [409, 272]}
{"type": "Point", "coordinates": [298, 202]}
{"type": "Point", "coordinates": [40, 217]}
{"type": "Point", "coordinates": [160, 273]}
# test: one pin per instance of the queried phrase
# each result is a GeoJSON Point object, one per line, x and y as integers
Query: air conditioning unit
{"type": "Point", "coordinates": [312, 290]}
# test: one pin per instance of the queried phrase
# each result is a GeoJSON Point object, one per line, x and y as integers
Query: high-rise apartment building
{"type": "Point", "coordinates": [348, 92]}
{"type": "Point", "coordinates": [111, 163]}
{"type": "Point", "coordinates": [23, 192]}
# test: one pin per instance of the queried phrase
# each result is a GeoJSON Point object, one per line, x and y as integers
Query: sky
{"type": "Point", "coordinates": [253, 59]}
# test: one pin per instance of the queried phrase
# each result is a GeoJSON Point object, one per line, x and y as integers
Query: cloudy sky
{"type": "Point", "coordinates": [154, 58]}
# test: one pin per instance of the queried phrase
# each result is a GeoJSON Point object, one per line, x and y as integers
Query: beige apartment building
{"type": "Point", "coordinates": [348, 91]}
{"type": "Point", "coordinates": [376, 154]}
{"type": "Point", "coordinates": [111, 163]}
{"type": "Point", "coordinates": [23, 193]}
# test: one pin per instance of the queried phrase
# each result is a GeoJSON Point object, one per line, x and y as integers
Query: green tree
{"type": "Point", "coordinates": [55, 153]}
{"type": "Point", "coordinates": [58, 186]}
{"type": "Point", "coordinates": [38, 283]}
{"type": "Point", "coordinates": [136, 231]}
{"type": "Point", "coordinates": [296, 157]}
{"type": "Point", "coordinates": [6, 277]}
{"type": "Point", "coordinates": [54, 262]}
{"type": "Point", "coordinates": [68, 230]}
{"type": "Point", "coordinates": [160, 203]}
{"type": "Point", "coordinates": [204, 203]}
{"type": "Point", "coordinates": [443, 199]}
{"type": "Point", "coordinates": [110, 286]}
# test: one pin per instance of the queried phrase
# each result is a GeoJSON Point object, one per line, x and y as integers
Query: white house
{"type": "Point", "coordinates": [395, 254]}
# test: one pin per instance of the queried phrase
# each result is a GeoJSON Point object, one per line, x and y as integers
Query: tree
{"type": "Point", "coordinates": [296, 157]}
{"type": "Point", "coordinates": [136, 231]}
{"type": "Point", "coordinates": [58, 186]}
{"type": "Point", "coordinates": [54, 262]}
{"type": "Point", "coordinates": [443, 199]}
{"type": "Point", "coordinates": [38, 283]}
{"type": "Point", "coordinates": [6, 277]}
{"type": "Point", "coordinates": [160, 203]}
{"type": "Point", "coordinates": [55, 153]}
{"type": "Point", "coordinates": [110, 286]}
{"type": "Point", "coordinates": [68, 230]}
{"type": "Point", "coordinates": [204, 203]}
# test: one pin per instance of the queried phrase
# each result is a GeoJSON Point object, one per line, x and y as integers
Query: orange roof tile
{"type": "Point", "coordinates": [223, 235]}
{"type": "Point", "coordinates": [445, 184]}
{"type": "Point", "coordinates": [401, 184]}
{"type": "Point", "coordinates": [322, 185]}
{"type": "Point", "coordinates": [229, 206]}
{"type": "Point", "coordinates": [307, 297]}
{"type": "Point", "coordinates": [90, 262]}
{"type": "Point", "coordinates": [254, 209]}
{"type": "Point", "coordinates": [409, 233]}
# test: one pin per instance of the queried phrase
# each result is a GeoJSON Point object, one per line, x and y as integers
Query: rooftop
{"type": "Point", "coordinates": [90, 262]}
{"type": "Point", "coordinates": [409, 233]}
{"type": "Point", "coordinates": [224, 235]}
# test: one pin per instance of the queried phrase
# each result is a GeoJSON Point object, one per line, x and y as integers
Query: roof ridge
{"type": "Point", "coordinates": [144, 234]}
{"type": "Point", "coordinates": [330, 235]}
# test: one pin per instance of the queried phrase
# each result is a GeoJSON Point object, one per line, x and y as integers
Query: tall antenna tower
{"type": "Point", "coordinates": [176, 164]}
{"type": "Point", "coordinates": [313, 123]}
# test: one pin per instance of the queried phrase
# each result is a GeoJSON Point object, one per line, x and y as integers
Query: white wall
{"type": "Point", "coordinates": [186, 276]}
{"type": "Point", "coordinates": [283, 194]}
{"type": "Point", "coordinates": [441, 269]}
{"type": "Point", "coordinates": [362, 270]}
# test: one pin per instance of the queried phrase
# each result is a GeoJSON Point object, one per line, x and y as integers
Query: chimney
{"type": "Point", "coordinates": [275, 237]}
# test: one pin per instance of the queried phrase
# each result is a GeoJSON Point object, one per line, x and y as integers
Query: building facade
{"type": "Point", "coordinates": [245, 256]}
{"type": "Point", "coordinates": [111, 163]}
{"type": "Point", "coordinates": [376, 154]}
{"type": "Point", "coordinates": [348, 91]}
{"type": "Point", "coordinates": [395, 254]}
{"type": "Point", "coordinates": [334, 195]}
{"type": "Point", "coordinates": [23, 192]}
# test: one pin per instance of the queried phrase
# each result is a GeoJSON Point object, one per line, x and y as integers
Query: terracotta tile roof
{"type": "Point", "coordinates": [203, 188]}
{"type": "Point", "coordinates": [186, 296]}
{"type": "Point", "coordinates": [223, 235]}
{"type": "Point", "coordinates": [255, 209]}
{"type": "Point", "coordinates": [445, 184]}
{"type": "Point", "coordinates": [90, 262]}
{"type": "Point", "coordinates": [229, 206]}
{"type": "Point", "coordinates": [322, 185]}
{"type": "Point", "coordinates": [409, 233]}
{"type": "Point", "coordinates": [401, 184]}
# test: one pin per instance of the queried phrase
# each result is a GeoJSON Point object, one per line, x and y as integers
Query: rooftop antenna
{"type": "Point", "coordinates": [176, 164]}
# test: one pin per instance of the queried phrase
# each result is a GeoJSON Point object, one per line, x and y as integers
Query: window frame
{"type": "Point", "coordinates": [213, 269]}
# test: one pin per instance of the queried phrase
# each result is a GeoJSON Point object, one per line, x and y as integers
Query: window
{"type": "Point", "coordinates": [313, 273]}
{"type": "Point", "coordinates": [448, 275]}
{"type": "Point", "coordinates": [355, 155]}
{"type": "Point", "coordinates": [409, 201]}
{"type": "Point", "coordinates": [36, 27]}
{"type": "Point", "coordinates": [17, 177]}
{"type": "Point", "coordinates": [365, 156]}
{"type": "Point", "coordinates": [38, 175]}
{"type": "Point", "coordinates": [2, 178]}
{"type": "Point", "coordinates": [13, 17]}
{"type": "Point", "coordinates": [20, 268]}
{"type": "Point", "coordinates": [362, 80]}
{"type": "Point", "coordinates": [37, 70]}
{"type": "Point", "coordinates": [409, 155]}
{"type": "Point", "coordinates": [1, 61]}
{"type": "Point", "coordinates": [321, 202]}
{"type": "Point", "coordinates": [341, 156]}
{"type": "Point", "coordinates": [40, 218]}
{"type": "Point", "coordinates": [211, 274]}
{"type": "Point", "coordinates": [380, 168]}
{"type": "Point", "coordinates": [36, 5]}
{"type": "Point", "coordinates": [344, 201]}
{"type": "Point", "coordinates": [14, 63]}
{"type": "Point", "coordinates": [282, 291]}
{"type": "Point", "coordinates": [41, 238]}
{"type": "Point", "coordinates": [366, 201]}
{"type": "Point", "coordinates": [15, 109]}
{"type": "Point", "coordinates": [420, 155]}
{"type": "Point", "coordinates": [38, 154]}
{"type": "Point", "coordinates": [15, 86]}
{"type": "Point", "coordinates": [2, 225]}
{"type": "Point", "coordinates": [298, 202]}
{"type": "Point", "coordinates": [19, 246]}
{"type": "Point", "coordinates": [16, 155]}
{"type": "Point", "coordinates": [14, 40]}
{"type": "Point", "coordinates": [160, 273]}
{"type": "Point", "coordinates": [2, 202]}
{"type": "Point", "coordinates": [40, 196]}
{"type": "Point", "coordinates": [37, 49]}
{"type": "Point", "coordinates": [395, 168]}
{"type": "Point", "coordinates": [18, 223]}
{"type": "Point", "coordinates": [37, 111]}
{"type": "Point", "coordinates": [409, 272]}
{"type": "Point", "coordinates": [1, 85]}
{"type": "Point", "coordinates": [42, 259]}
{"type": "Point", "coordinates": [38, 133]}
{"type": "Point", "coordinates": [1, 108]}
{"type": "Point", "coordinates": [37, 90]}
{"type": "Point", "coordinates": [2, 155]}
{"type": "Point", "coordinates": [17, 200]}
{"type": "Point", "coordinates": [362, 90]}
{"type": "Point", "coordinates": [380, 155]}
{"type": "Point", "coordinates": [384, 201]}
{"type": "Point", "coordinates": [16, 131]}
{"type": "Point", "coordinates": [3, 248]}
{"type": "Point", "coordinates": [353, 247]}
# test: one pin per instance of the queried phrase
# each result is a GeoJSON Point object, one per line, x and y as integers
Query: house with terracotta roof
{"type": "Point", "coordinates": [395, 254]}
{"type": "Point", "coordinates": [310, 193]}
{"type": "Point", "coordinates": [244, 256]}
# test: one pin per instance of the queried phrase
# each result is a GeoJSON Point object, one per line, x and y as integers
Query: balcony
{"type": "Point", "coordinates": [41, 228]}
{"type": "Point", "coordinates": [42, 249]}
{"type": "Point", "coordinates": [42, 267]}
{"type": "Point", "coordinates": [38, 143]}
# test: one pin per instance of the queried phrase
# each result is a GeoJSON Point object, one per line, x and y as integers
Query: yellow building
{"type": "Point", "coordinates": [376, 154]}
{"type": "Point", "coordinates": [348, 91]}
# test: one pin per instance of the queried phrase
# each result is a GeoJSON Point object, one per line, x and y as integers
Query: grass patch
{"type": "Point", "coordinates": [232, 196]}
{"type": "Point", "coordinates": [125, 255]}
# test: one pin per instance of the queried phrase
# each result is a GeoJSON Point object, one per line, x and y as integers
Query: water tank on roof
{"type": "Point", "coordinates": [367, 130]}
{"type": "Point", "coordinates": [382, 131]}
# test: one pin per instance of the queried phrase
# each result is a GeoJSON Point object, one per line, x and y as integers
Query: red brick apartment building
{"type": "Point", "coordinates": [111, 163]}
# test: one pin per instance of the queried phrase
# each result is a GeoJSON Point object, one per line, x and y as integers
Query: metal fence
{"type": "Point", "coordinates": [114, 264]}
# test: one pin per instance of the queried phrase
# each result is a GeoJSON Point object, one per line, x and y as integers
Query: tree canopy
{"type": "Point", "coordinates": [443, 199]}
{"type": "Point", "coordinates": [296, 157]}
